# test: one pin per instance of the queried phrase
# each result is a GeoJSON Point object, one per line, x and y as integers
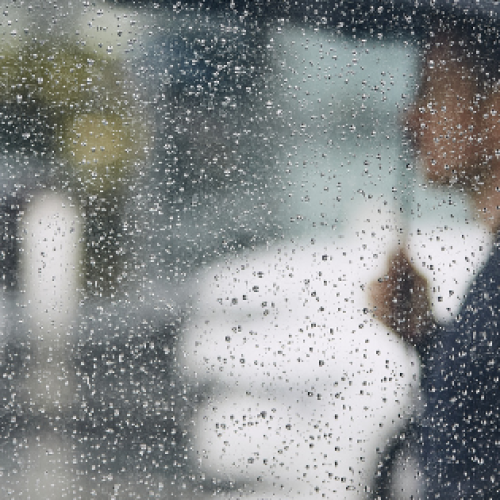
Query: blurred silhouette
{"type": "Point", "coordinates": [454, 127]}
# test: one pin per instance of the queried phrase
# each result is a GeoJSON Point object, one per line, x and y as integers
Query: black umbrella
{"type": "Point", "coordinates": [388, 16]}
{"type": "Point", "coordinates": [372, 15]}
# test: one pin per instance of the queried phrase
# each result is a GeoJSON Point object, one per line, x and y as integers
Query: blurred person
{"type": "Point", "coordinates": [455, 128]}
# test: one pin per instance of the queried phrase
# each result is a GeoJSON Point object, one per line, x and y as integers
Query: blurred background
{"type": "Point", "coordinates": [193, 199]}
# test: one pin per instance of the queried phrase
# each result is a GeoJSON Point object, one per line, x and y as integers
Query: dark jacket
{"type": "Point", "coordinates": [460, 430]}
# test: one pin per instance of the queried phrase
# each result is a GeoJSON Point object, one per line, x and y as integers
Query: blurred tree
{"type": "Point", "coordinates": [76, 113]}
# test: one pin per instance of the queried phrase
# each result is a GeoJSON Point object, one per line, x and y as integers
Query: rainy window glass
{"type": "Point", "coordinates": [248, 250]}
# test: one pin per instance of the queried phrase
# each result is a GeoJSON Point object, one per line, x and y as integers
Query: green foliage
{"type": "Point", "coordinates": [79, 103]}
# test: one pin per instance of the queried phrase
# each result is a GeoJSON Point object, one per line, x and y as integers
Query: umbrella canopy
{"type": "Point", "coordinates": [380, 16]}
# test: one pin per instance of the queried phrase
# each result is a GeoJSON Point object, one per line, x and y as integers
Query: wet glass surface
{"type": "Point", "coordinates": [194, 201]}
